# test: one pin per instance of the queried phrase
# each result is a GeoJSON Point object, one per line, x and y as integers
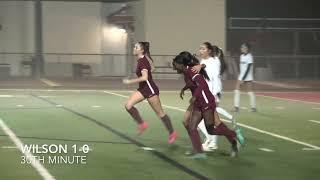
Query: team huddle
{"type": "Point", "coordinates": [203, 79]}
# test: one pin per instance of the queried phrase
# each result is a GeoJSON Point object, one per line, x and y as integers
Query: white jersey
{"type": "Point", "coordinates": [246, 67]}
{"type": "Point", "coordinates": [213, 66]}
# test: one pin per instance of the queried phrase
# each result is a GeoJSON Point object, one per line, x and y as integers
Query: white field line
{"type": "Point", "coordinates": [286, 99]}
{"type": "Point", "coordinates": [43, 172]}
{"type": "Point", "coordinates": [310, 149]}
{"type": "Point", "coordinates": [266, 149]}
{"type": "Point", "coordinates": [240, 124]}
{"type": "Point", "coordinates": [315, 121]}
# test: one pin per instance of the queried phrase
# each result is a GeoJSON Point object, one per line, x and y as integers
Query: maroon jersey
{"type": "Point", "coordinates": [199, 89]}
{"type": "Point", "coordinates": [146, 88]}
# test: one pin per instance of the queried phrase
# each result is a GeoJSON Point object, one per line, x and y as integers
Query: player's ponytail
{"type": "Point", "coordinates": [146, 51]}
{"type": "Point", "coordinates": [219, 53]}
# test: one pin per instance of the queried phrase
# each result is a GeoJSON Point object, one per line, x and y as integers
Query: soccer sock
{"type": "Point", "coordinates": [236, 98]}
{"type": "Point", "coordinates": [213, 139]}
{"type": "Point", "coordinates": [252, 99]}
{"type": "Point", "coordinates": [224, 112]}
{"type": "Point", "coordinates": [222, 129]}
{"type": "Point", "coordinates": [135, 115]}
{"type": "Point", "coordinates": [203, 129]}
{"type": "Point", "coordinates": [167, 123]}
{"type": "Point", "coordinates": [195, 139]}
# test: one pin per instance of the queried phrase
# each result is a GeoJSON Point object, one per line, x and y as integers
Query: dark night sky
{"type": "Point", "coordinates": [274, 8]}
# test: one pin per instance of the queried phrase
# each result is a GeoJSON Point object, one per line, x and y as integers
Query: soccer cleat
{"type": "Point", "coordinates": [199, 156]}
{"type": "Point", "coordinates": [172, 137]}
{"type": "Point", "coordinates": [253, 109]}
{"type": "Point", "coordinates": [234, 150]}
{"type": "Point", "coordinates": [141, 127]}
{"type": "Point", "coordinates": [240, 136]}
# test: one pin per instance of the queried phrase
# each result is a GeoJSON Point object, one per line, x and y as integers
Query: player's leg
{"type": "Point", "coordinates": [216, 127]}
{"type": "Point", "coordinates": [236, 101]}
{"type": "Point", "coordinates": [223, 112]}
{"type": "Point", "coordinates": [155, 103]}
{"type": "Point", "coordinates": [210, 142]}
{"type": "Point", "coordinates": [133, 99]}
{"type": "Point", "coordinates": [195, 118]}
{"type": "Point", "coordinates": [251, 95]}
{"type": "Point", "coordinates": [186, 122]}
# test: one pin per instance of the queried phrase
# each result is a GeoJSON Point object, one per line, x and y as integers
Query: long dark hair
{"type": "Point", "coordinates": [187, 59]}
{"type": "Point", "coordinates": [216, 51]}
{"type": "Point", "coordinates": [146, 51]}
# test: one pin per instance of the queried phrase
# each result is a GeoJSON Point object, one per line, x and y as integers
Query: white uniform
{"type": "Point", "coordinates": [246, 67]}
{"type": "Point", "coordinates": [213, 66]}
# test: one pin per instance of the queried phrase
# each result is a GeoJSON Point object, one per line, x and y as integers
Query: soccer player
{"type": "Point", "coordinates": [147, 90]}
{"type": "Point", "coordinates": [212, 60]}
{"type": "Point", "coordinates": [202, 105]}
{"type": "Point", "coordinates": [245, 78]}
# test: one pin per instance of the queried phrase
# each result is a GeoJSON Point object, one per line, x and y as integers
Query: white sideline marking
{"type": "Point", "coordinates": [59, 105]}
{"type": "Point", "coordinates": [279, 84]}
{"type": "Point", "coordinates": [96, 106]}
{"type": "Point", "coordinates": [43, 172]}
{"type": "Point", "coordinates": [316, 108]}
{"type": "Point", "coordinates": [242, 125]}
{"type": "Point", "coordinates": [147, 148]}
{"type": "Point", "coordinates": [6, 96]}
{"type": "Point", "coordinates": [9, 147]}
{"type": "Point", "coordinates": [266, 149]}
{"type": "Point", "coordinates": [286, 99]}
{"type": "Point", "coordinates": [20, 105]}
{"type": "Point", "coordinates": [315, 121]}
{"type": "Point", "coordinates": [310, 149]}
{"type": "Point", "coordinates": [45, 96]}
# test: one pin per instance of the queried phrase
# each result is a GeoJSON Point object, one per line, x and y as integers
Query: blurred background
{"type": "Point", "coordinates": [86, 42]}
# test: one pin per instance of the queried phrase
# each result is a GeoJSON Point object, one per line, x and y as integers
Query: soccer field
{"type": "Point", "coordinates": [283, 138]}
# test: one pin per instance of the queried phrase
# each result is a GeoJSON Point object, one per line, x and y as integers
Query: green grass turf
{"type": "Point", "coordinates": [113, 157]}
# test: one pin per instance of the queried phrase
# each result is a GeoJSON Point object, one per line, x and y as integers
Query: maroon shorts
{"type": "Point", "coordinates": [148, 90]}
{"type": "Point", "coordinates": [203, 107]}
{"type": "Point", "coordinates": [205, 102]}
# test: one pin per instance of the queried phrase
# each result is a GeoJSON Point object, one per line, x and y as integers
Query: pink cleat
{"type": "Point", "coordinates": [142, 127]}
{"type": "Point", "coordinates": [172, 137]}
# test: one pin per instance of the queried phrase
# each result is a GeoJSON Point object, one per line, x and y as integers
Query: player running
{"type": "Point", "coordinates": [147, 90]}
{"type": "Point", "coordinates": [202, 105]}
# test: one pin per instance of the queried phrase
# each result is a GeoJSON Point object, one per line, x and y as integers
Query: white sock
{"type": "Point", "coordinates": [224, 112]}
{"type": "Point", "coordinates": [236, 98]}
{"type": "Point", "coordinates": [203, 129]}
{"type": "Point", "coordinates": [213, 139]}
{"type": "Point", "coordinates": [252, 99]}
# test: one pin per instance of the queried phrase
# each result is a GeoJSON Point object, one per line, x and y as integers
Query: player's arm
{"type": "Point", "coordinates": [142, 78]}
{"type": "Point", "coordinates": [197, 68]}
{"type": "Point", "coordinates": [182, 91]}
